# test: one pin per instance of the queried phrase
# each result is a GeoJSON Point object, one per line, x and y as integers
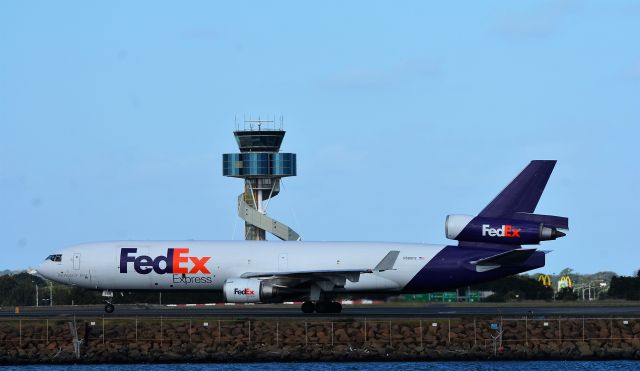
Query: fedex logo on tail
{"type": "Point", "coordinates": [506, 230]}
{"type": "Point", "coordinates": [175, 262]}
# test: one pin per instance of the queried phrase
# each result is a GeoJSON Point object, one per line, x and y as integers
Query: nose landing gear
{"type": "Point", "coordinates": [109, 307]}
{"type": "Point", "coordinates": [321, 307]}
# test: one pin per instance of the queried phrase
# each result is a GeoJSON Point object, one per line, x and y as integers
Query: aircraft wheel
{"type": "Point", "coordinates": [308, 307]}
{"type": "Point", "coordinates": [109, 308]}
{"type": "Point", "coordinates": [323, 307]}
{"type": "Point", "coordinates": [336, 307]}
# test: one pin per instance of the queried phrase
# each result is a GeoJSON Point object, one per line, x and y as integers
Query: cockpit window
{"type": "Point", "coordinates": [55, 258]}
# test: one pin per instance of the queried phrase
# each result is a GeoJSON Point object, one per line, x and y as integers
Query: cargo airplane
{"type": "Point", "coordinates": [489, 247]}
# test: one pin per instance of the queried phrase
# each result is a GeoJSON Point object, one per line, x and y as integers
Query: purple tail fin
{"type": "Point", "coordinates": [523, 193]}
{"type": "Point", "coordinates": [516, 204]}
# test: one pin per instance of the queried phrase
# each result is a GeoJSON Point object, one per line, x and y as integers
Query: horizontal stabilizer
{"type": "Point", "coordinates": [508, 258]}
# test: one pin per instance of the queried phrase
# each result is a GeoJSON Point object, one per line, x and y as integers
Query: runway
{"type": "Point", "coordinates": [293, 311]}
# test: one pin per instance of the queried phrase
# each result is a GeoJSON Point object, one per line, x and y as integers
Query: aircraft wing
{"type": "Point", "coordinates": [333, 275]}
{"type": "Point", "coordinates": [299, 274]}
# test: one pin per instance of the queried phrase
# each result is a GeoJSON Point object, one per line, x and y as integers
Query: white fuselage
{"type": "Point", "coordinates": [205, 265]}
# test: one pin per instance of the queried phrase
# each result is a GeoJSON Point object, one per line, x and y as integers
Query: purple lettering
{"type": "Point", "coordinates": [143, 264]}
{"type": "Point", "coordinates": [125, 258]}
{"type": "Point", "coordinates": [168, 261]}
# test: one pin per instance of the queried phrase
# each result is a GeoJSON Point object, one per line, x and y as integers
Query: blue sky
{"type": "Point", "coordinates": [114, 117]}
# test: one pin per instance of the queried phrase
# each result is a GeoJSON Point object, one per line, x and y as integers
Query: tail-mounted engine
{"type": "Point", "coordinates": [503, 231]}
{"type": "Point", "coordinates": [248, 290]}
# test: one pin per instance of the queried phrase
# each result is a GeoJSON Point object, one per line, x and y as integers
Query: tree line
{"type": "Point", "coordinates": [622, 287]}
{"type": "Point", "coordinates": [515, 288]}
{"type": "Point", "coordinates": [20, 290]}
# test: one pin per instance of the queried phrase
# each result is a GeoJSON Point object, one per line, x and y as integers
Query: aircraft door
{"type": "Point", "coordinates": [76, 261]}
{"type": "Point", "coordinates": [283, 262]}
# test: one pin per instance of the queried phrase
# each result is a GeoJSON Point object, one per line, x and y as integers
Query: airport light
{"type": "Point", "coordinates": [595, 285]}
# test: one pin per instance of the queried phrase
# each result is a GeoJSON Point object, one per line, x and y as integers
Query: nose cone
{"type": "Point", "coordinates": [45, 270]}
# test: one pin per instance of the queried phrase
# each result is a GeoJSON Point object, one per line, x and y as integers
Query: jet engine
{"type": "Point", "coordinates": [495, 230]}
{"type": "Point", "coordinates": [248, 290]}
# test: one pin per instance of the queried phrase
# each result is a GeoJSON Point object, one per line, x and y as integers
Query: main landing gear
{"type": "Point", "coordinates": [321, 307]}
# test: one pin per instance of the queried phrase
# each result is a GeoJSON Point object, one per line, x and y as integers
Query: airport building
{"type": "Point", "coordinates": [262, 166]}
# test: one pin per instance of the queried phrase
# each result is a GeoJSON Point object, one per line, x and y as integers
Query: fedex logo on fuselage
{"type": "Point", "coordinates": [246, 291]}
{"type": "Point", "coordinates": [175, 262]}
{"type": "Point", "coordinates": [506, 230]}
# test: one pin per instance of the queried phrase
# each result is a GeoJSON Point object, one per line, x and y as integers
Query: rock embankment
{"type": "Point", "coordinates": [114, 340]}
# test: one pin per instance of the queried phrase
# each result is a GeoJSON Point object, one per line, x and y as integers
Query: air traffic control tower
{"type": "Point", "coordinates": [261, 164]}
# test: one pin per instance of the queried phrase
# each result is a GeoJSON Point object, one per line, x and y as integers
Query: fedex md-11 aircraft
{"type": "Point", "coordinates": [489, 247]}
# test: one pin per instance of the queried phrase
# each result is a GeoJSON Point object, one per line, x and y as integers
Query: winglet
{"type": "Point", "coordinates": [388, 261]}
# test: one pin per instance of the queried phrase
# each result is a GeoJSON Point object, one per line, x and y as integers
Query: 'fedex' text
{"type": "Point", "coordinates": [505, 231]}
{"type": "Point", "coordinates": [175, 262]}
{"type": "Point", "coordinates": [246, 291]}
